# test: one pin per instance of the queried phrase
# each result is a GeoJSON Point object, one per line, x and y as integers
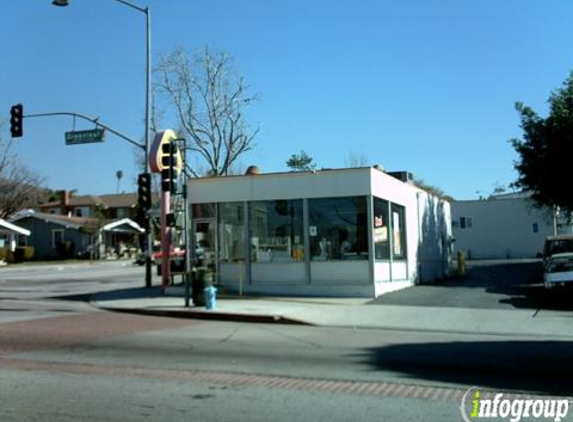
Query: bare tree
{"type": "Point", "coordinates": [210, 101]}
{"type": "Point", "coordinates": [355, 160]}
{"type": "Point", "coordinates": [19, 186]}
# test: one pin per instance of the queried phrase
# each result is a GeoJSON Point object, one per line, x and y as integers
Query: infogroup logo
{"type": "Point", "coordinates": [478, 404]}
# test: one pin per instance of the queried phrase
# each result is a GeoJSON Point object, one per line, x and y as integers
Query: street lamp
{"type": "Point", "coordinates": [147, 12]}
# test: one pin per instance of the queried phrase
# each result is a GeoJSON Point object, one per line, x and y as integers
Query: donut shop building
{"type": "Point", "coordinates": [357, 232]}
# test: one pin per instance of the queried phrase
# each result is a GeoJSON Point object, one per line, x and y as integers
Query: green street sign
{"type": "Point", "coordinates": [77, 137]}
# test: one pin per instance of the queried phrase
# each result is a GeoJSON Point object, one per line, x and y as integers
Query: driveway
{"type": "Point", "coordinates": [487, 285]}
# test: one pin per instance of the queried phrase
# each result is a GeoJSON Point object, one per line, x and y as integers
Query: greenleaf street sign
{"type": "Point", "coordinates": [84, 136]}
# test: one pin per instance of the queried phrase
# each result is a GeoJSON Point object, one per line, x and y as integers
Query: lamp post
{"type": "Point", "coordinates": [147, 12]}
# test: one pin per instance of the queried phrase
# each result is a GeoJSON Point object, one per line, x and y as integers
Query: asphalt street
{"type": "Point", "coordinates": [494, 285]}
{"type": "Point", "coordinates": [61, 359]}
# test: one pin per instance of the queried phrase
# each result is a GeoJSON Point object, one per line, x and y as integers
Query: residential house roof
{"type": "Point", "coordinates": [76, 201]}
{"type": "Point", "coordinates": [9, 228]}
{"type": "Point", "coordinates": [125, 225]}
{"type": "Point", "coordinates": [63, 220]}
{"type": "Point", "coordinates": [118, 200]}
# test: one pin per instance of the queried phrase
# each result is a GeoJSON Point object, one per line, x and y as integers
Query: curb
{"type": "Point", "coordinates": [208, 315]}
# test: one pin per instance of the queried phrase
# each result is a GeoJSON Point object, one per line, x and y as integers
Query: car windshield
{"type": "Point", "coordinates": [560, 246]}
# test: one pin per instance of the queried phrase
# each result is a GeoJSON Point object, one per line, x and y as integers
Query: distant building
{"type": "Point", "coordinates": [503, 227]}
{"type": "Point", "coordinates": [344, 232]}
{"type": "Point", "coordinates": [55, 236]}
{"type": "Point", "coordinates": [112, 206]}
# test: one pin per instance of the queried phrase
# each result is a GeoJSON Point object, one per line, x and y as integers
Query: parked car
{"type": "Point", "coordinates": [558, 260]}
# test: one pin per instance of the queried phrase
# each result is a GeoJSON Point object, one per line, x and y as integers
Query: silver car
{"type": "Point", "coordinates": [558, 260]}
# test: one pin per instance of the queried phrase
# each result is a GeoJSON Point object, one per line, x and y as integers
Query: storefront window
{"type": "Point", "coordinates": [381, 230]}
{"type": "Point", "coordinates": [338, 228]}
{"type": "Point", "coordinates": [204, 210]}
{"type": "Point", "coordinates": [231, 231]}
{"type": "Point", "coordinates": [398, 232]}
{"type": "Point", "coordinates": [276, 231]}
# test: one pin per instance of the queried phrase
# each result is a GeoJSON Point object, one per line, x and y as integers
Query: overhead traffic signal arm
{"type": "Point", "coordinates": [89, 119]}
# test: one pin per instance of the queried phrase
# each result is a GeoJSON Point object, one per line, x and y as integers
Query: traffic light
{"type": "Point", "coordinates": [144, 191]}
{"type": "Point", "coordinates": [168, 163]}
{"type": "Point", "coordinates": [16, 120]}
{"type": "Point", "coordinates": [143, 199]}
{"type": "Point", "coordinates": [141, 218]}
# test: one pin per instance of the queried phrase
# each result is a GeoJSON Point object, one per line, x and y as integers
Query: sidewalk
{"type": "Point", "coordinates": [347, 313]}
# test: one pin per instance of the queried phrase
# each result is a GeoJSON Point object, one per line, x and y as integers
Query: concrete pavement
{"type": "Point", "coordinates": [348, 313]}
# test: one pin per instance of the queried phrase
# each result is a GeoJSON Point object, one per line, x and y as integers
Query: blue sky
{"type": "Point", "coordinates": [427, 86]}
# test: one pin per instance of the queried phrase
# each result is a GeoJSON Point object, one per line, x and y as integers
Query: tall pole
{"type": "Point", "coordinates": [148, 269]}
{"type": "Point", "coordinates": [147, 11]}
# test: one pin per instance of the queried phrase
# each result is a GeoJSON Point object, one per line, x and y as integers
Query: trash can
{"type": "Point", "coordinates": [210, 296]}
{"type": "Point", "coordinates": [197, 286]}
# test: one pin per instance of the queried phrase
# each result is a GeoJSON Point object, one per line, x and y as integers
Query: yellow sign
{"type": "Point", "coordinates": [165, 137]}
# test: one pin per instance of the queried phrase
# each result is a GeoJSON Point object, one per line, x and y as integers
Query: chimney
{"type": "Point", "coordinates": [65, 199]}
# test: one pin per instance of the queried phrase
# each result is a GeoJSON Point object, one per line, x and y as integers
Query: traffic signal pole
{"type": "Point", "coordinates": [166, 243]}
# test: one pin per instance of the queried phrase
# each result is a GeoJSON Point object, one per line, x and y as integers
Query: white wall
{"type": "Point", "coordinates": [501, 228]}
{"type": "Point", "coordinates": [295, 185]}
{"type": "Point", "coordinates": [277, 273]}
{"type": "Point", "coordinates": [428, 230]}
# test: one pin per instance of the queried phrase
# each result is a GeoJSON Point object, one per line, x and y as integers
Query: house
{"type": "Point", "coordinates": [111, 206]}
{"type": "Point", "coordinates": [57, 236]}
{"type": "Point", "coordinates": [10, 236]}
{"type": "Point", "coordinates": [341, 232]}
{"type": "Point", "coordinates": [505, 226]}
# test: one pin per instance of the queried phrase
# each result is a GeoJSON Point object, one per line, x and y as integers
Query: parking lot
{"type": "Point", "coordinates": [488, 285]}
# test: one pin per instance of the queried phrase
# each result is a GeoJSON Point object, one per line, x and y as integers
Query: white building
{"type": "Point", "coordinates": [348, 232]}
{"type": "Point", "coordinates": [503, 227]}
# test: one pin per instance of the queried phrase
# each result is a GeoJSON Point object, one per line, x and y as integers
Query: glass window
{"type": "Point", "coordinates": [381, 230]}
{"type": "Point", "coordinates": [398, 232]}
{"type": "Point", "coordinates": [276, 231]}
{"type": "Point", "coordinates": [462, 222]}
{"type": "Point", "coordinates": [338, 228]}
{"type": "Point", "coordinates": [231, 231]}
{"type": "Point", "coordinates": [203, 210]}
{"type": "Point", "coordinates": [22, 240]}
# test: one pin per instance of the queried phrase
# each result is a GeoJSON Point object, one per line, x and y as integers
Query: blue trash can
{"type": "Point", "coordinates": [210, 295]}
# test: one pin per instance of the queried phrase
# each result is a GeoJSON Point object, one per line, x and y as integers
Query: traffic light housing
{"type": "Point", "coordinates": [144, 191]}
{"type": "Point", "coordinates": [143, 199]}
{"type": "Point", "coordinates": [17, 120]}
{"type": "Point", "coordinates": [168, 163]}
{"type": "Point", "coordinates": [142, 219]}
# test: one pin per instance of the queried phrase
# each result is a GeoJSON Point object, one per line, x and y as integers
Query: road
{"type": "Point", "coordinates": [489, 285]}
{"type": "Point", "coordinates": [63, 360]}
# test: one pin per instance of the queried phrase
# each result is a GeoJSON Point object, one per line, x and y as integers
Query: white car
{"type": "Point", "coordinates": [558, 260]}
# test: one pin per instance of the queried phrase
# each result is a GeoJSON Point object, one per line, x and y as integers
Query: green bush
{"type": "Point", "coordinates": [29, 253]}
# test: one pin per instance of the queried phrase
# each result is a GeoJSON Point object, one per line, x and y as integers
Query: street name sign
{"type": "Point", "coordinates": [77, 137]}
